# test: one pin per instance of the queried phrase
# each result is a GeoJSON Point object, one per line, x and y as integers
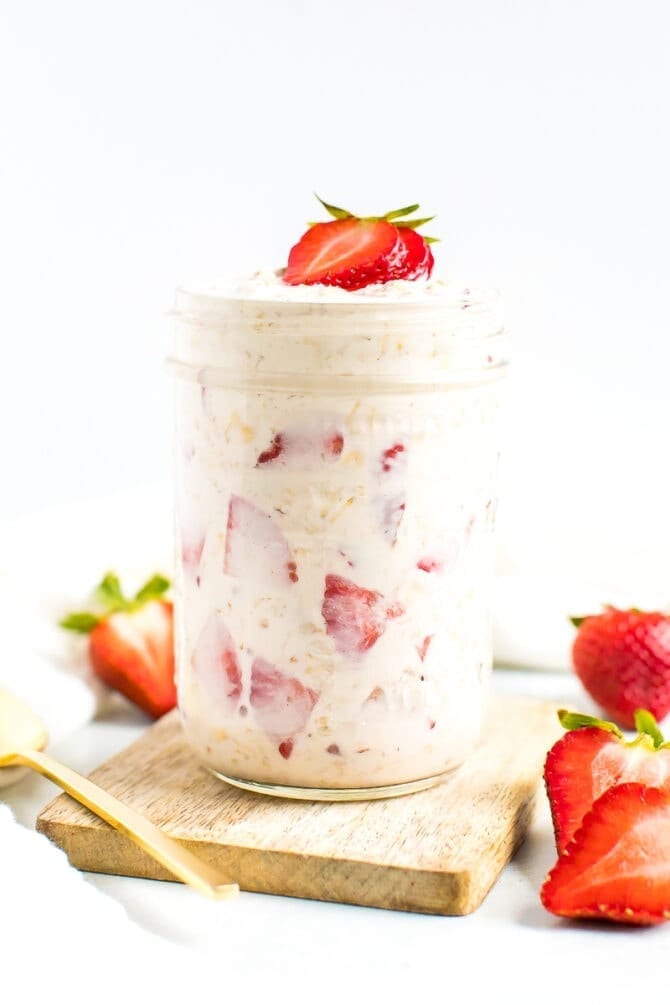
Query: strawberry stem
{"type": "Point", "coordinates": [579, 621]}
{"type": "Point", "coordinates": [646, 723]}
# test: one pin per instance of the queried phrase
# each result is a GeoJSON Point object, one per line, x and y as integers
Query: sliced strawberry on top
{"type": "Point", "coordinates": [282, 704]}
{"type": "Point", "coordinates": [355, 616]}
{"type": "Point", "coordinates": [592, 757]}
{"type": "Point", "coordinates": [419, 259]}
{"type": "Point", "coordinates": [131, 643]}
{"type": "Point", "coordinates": [216, 666]}
{"type": "Point", "coordinates": [352, 252]}
{"type": "Point", "coordinates": [617, 866]}
{"type": "Point", "coordinates": [256, 549]}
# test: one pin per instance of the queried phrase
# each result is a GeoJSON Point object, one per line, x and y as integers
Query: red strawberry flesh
{"type": "Point", "coordinates": [623, 660]}
{"type": "Point", "coordinates": [133, 653]}
{"type": "Point", "coordinates": [255, 548]}
{"type": "Point", "coordinates": [282, 704]}
{"type": "Point", "coordinates": [306, 444]}
{"type": "Point", "coordinates": [355, 616]}
{"type": "Point", "coordinates": [419, 258]}
{"type": "Point", "coordinates": [350, 253]}
{"type": "Point", "coordinates": [584, 763]}
{"type": "Point", "coordinates": [617, 866]}
{"type": "Point", "coordinates": [216, 666]}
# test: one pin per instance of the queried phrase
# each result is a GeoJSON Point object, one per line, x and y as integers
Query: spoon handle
{"type": "Point", "coordinates": [178, 860]}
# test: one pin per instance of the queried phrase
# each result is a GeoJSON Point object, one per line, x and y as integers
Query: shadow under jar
{"type": "Point", "coordinates": [335, 473]}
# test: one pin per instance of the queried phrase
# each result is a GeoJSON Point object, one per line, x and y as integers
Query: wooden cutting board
{"type": "Point", "coordinates": [437, 852]}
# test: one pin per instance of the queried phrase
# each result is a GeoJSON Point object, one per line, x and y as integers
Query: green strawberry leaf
{"type": "Point", "coordinates": [80, 621]}
{"type": "Point", "coordinates": [414, 224]}
{"type": "Point", "coordinates": [153, 589]}
{"type": "Point", "coordinates": [395, 214]}
{"type": "Point", "coordinates": [578, 622]}
{"type": "Point", "coordinates": [339, 214]}
{"type": "Point", "coordinates": [577, 720]}
{"type": "Point", "coordinates": [110, 594]}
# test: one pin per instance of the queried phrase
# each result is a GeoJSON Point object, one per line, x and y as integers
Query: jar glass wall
{"type": "Point", "coordinates": [335, 507]}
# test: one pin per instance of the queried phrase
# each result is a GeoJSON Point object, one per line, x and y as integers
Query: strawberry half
{"type": "Point", "coordinates": [131, 645]}
{"type": "Point", "coordinates": [617, 866]}
{"type": "Point", "coordinates": [352, 252]}
{"type": "Point", "coordinates": [623, 660]}
{"type": "Point", "coordinates": [592, 757]}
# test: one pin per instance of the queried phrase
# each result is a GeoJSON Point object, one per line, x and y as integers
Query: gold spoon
{"type": "Point", "coordinates": [22, 740]}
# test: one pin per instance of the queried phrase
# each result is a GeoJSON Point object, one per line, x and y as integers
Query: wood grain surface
{"type": "Point", "coordinates": [438, 852]}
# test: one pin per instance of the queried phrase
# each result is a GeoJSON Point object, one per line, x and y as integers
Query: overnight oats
{"type": "Point", "coordinates": [336, 456]}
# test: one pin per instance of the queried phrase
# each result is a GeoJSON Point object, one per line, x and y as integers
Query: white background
{"type": "Point", "coordinates": [144, 142]}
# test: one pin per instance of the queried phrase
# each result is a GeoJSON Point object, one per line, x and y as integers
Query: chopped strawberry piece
{"type": "Point", "coordinates": [216, 666]}
{"type": "Point", "coordinates": [334, 444]}
{"type": "Point", "coordinates": [355, 617]}
{"type": "Point", "coordinates": [282, 704]}
{"type": "Point", "coordinates": [255, 547]}
{"type": "Point", "coordinates": [192, 547]}
{"type": "Point", "coordinates": [275, 450]}
{"type": "Point", "coordinates": [393, 457]}
{"type": "Point", "coordinates": [302, 444]}
{"type": "Point", "coordinates": [617, 865]}
{"type": "Point", "coordinates": [430, 564]}
{"type": "Point", "coordinates": [133, 653]}
{"type": "Point", "coordinates": [423, 647]}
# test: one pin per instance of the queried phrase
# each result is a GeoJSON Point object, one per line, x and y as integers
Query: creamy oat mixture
{"type": "Point", "coordinates": [336, 463]}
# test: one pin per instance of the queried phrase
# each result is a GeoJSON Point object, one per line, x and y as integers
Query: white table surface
{"type": "Point", "coordinates": [510, 947]}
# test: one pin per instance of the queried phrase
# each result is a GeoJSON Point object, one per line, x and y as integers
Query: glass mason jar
{"type": "Point", "coordinates": [335, 503]}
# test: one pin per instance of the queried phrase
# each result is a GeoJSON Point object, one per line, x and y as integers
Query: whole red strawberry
{"type": "Point", "coordinates": [352, 251]}
{"type": "Point", "coordinates": [622, 658]}
{"type": "Point", "coordinates": [131, 645]}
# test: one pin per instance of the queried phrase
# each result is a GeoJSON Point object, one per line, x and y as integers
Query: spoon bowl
{"type": "Point", "coordinates": [22, 742]}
